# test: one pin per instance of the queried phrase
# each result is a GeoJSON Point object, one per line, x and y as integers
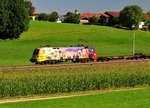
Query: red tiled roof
{"type": "Point", "coordinates": [146, 16]}
{"type": "Point", "coordinates": [104, 15]}
{"type": "Point", "coordinates": [113, 14]}
{"type": "Point", "coordinates": [89, 15]}
{"type": "Point", "coordinates": [35, 12]}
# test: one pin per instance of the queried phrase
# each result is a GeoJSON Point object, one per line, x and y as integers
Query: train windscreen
{"type": "Point", "coordinates": [91, 50]}
{"type": "Point", "coordinates": [36, 51]}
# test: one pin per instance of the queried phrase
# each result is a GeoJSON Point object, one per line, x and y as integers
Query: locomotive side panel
{"type": "Point", "coordinates": [45, 54]}
{"type": "Point", "coordinates": [74, 52]}
{"type": "Point", "coordinates": [48, 54]}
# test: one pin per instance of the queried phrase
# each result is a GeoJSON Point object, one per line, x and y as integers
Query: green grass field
{"type": "Point", "coordinates": [106, 40]}
{"type": "Point", "coordinates": [122, 99]}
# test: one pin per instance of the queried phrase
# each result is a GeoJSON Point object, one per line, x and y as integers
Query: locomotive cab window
{"type": "Point", "coordinates": [36, 51]}
{"type": "Point", "coordinates": [91, 50]}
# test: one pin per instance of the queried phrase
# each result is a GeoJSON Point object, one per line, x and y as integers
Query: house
{"type": "Point", "coordinates": [142, 24]}
{"type": "Point", "coordinates": [85, 17]}
{"type": "Point", "coordinates": [112, 17]}
{"type": "Point", "coordinates": [112, 14]}
{"type": "Point", "coordinates": [58, 20]}
{"type": "Point", "coordinates": [104, 19]}
{"type": "Point", "coordinates": [146, 16]}
{"type": "Point", "coordinates": [34, 15]}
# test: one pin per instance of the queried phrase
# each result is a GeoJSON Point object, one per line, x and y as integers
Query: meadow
{"type": "Point", "coordinates": [39, 82]}
{"type": "Point", "coordinates": [106, 40]}
{"type": "Point", "coordinates": [139, 98]}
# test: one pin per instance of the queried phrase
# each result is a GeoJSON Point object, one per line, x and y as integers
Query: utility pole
{"type": "Point", "coordinates": [133, 43]}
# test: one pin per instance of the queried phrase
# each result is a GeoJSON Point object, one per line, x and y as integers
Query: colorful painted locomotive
{"type": "Point", "coordinates": [50, 55]}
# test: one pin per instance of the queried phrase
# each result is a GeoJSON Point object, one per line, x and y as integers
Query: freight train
{"type": "Point", "coordinates": [53, 55]}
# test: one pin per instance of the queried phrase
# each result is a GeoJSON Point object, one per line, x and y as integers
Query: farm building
{"type": "Point", "coordinates": [34, 15]}
{"type": "Point", "coordinates": [85, 17]}
{"type": "Point", "coordinates": [112, 18]}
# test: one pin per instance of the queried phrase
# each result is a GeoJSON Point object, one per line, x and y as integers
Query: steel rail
{"type": "Point", "coordinates": [72, 64]}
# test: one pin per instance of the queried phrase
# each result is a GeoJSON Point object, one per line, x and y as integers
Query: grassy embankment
{"type": "Point", "coordinates": [106, 40]}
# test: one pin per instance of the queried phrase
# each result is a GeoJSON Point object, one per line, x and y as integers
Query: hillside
{"type": "Point", "coordinates": [106, 40]}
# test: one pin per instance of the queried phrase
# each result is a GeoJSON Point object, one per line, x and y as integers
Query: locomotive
{"type": "Point", "coordinates": [53, 55]}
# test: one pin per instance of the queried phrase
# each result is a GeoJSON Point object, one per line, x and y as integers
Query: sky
{"type": "Point", "coordinates": [84, 6]}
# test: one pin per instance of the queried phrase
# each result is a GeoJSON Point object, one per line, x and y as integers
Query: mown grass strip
{"type": "Point", "coordinates": [121, 99]}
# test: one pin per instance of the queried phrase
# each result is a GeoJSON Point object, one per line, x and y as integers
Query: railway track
{"type": "Point", "coordinates": [72, 64]}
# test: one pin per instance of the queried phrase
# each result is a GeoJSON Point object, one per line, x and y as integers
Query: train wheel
{"type": "Point", "coordinates": [50, 62]}
{"type": "Point", "coordinates": [74, 61]}
{"type": "Point", "coordinates": [107, 59]}
{"type": "Point", "coordinates": [36, 62]}
{"type": "Point", "coordinates": [42, 63]}
{"type": "Point", "coordinates": [102, 60]}
{"type": "Point", "coordinates": [83, 60]}
{"type": "Point", "coordinates": [97, 60]}
{"type": "Point", "coordinates": [87, 60]}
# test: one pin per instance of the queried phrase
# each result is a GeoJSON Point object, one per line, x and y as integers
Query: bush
{"type": "Point", "coordinates": [53, 17]}
{"type": "Point", "coordinates": [72, 18]}
{"type": "Point", "coordinates": [42, 17]}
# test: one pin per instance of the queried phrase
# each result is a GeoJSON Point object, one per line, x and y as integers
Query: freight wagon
{"type": "Point", "coordinates": [126, 57]}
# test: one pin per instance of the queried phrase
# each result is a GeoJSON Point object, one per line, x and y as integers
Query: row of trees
{"type": "Point", "coordinates": [14, 17]}
{"type": "Point", "coordinates": [48, 17]}
{"type": "Point", "coordinates": [52, 17]}
{"type": "Point", "coordinates": [129, 17]}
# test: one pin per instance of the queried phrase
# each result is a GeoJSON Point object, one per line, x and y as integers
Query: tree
{"type": "Point", "coordinates": [42, 17]}
{"type": "Point", "coordinates": [29, 6]}
{"type": "Point", "coordinates": [94, 19]}
{"type": "Point", "coordinates": [115, 20]}
{"type": "Point", "coordinates": [53, 16]}
{"type": "Point", "coordinates": [14, 19]}
{"type": "Point", "coordinates": [72, 18]}
{"type": "Point", "coordinates": [131, 16]}
{"type": "Point", "coordinates": [147, 23]}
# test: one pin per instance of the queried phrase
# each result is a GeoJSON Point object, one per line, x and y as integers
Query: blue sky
{"type": "Point", "coordinates": [84, 6]}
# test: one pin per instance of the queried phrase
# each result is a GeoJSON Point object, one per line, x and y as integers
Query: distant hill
{"type": "Point", "coordinates": [106, 40]}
